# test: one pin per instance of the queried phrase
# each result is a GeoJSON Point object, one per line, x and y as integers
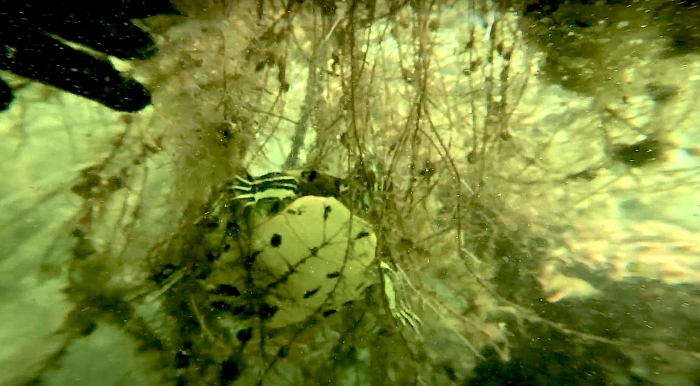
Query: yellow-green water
{"type": "Point", "coordinates": [518, 190]}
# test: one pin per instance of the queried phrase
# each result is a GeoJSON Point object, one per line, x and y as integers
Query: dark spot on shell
{"type": "Point", "coordinates": [361, 235]}
{"type": "Point", "coordinates": [229, 371]}
{"type": "Point", "coordinates": [333, 275]}
{"type": "Point", "coordinates": [310, 175]}
{"type": "Point", "coordinates": [328, 313]}
{"type": "Point", "coordinates": [267, 311]}
{"type": "Point", "coordinates": [276, 240]}
{"type": "Point", "coordinates": [326, 212]}
{"type": "Point", "coordinates": [245, 335]}
{"type": "Point", "coordinates": [311, 293]}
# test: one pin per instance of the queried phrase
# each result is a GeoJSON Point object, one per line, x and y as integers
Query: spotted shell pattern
{"type": "Point", "coordinates": [314, 258]}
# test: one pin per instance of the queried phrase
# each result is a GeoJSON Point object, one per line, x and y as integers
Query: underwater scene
{"type": "Point", "coordinates": [369, 192]}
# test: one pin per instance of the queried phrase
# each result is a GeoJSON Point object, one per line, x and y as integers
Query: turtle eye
{"type": "Point", "coordinates": [311, 176]}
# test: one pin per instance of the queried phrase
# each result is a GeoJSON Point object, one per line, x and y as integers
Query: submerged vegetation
{"type": "Point", "coordinates": [370, 193]}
